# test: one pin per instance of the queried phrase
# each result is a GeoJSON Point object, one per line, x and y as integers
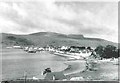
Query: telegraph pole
{"type": "Point", "coordinates": [25, 76]}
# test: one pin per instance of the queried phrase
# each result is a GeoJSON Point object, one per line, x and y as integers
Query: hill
{"type": "Point", "coordinates": [51, 38]}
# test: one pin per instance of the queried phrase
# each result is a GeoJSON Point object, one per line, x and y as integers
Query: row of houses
{"type": "Point", "coordinates": [60, 49]}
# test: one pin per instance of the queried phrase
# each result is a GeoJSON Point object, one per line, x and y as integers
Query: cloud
{"type": "Point", "coordinates": [94, 19]}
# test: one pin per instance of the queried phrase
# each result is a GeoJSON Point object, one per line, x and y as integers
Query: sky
{"type": "Point", "coordinates": [92, 19]}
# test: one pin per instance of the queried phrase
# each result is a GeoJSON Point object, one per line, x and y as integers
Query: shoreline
{"type": "Point", "coordinates": [106, 70]}
{"type": "Point", "coordinates": [74, 66]}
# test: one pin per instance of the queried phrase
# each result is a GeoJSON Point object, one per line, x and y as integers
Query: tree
{"type": "Point", "coordinates": [118, 52]}
{"type": "Point", "coordinates": [107, 52]}
{"type": "Point", "coordinates": [110, 51]}
{"type": "Point", "coordinates": [89, 48]}
{"type": "Point", "coordinates": [100, 51]}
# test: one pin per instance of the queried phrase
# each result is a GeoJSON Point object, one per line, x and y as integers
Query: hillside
{"type": "Point", "coordinates": [50, 38]}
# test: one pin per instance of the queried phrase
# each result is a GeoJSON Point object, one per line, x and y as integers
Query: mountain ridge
{"type": "Point", "coordinates": [51, 38]}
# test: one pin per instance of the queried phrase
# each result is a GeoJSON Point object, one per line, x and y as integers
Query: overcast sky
{"type": "Point", "coordinates": [92, 19]}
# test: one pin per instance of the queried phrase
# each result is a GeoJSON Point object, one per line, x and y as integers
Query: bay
{"type": "Point", "coordinates": [16, 62]}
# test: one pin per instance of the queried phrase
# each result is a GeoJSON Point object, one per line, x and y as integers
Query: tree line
{"type": "Point", "coordinates": [108, 51]}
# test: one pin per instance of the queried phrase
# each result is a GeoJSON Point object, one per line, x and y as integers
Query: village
{"type": "Point", "coordinates": [73, 52]}
{"type": "Point", "coordinates": [70, 51]}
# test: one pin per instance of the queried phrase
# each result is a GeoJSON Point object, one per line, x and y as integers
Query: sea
{"type": "Point", "coordinates": [17, 64]}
